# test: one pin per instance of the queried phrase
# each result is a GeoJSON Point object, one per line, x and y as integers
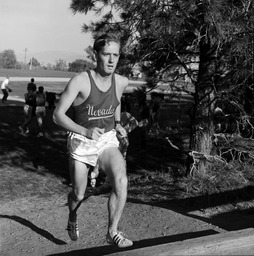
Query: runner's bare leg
{"type": "Point", "coordinates": [78, 173]}
{"type": "Point", "coordinates": [112, 161]}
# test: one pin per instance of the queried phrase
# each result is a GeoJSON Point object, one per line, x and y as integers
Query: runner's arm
{"type": "Point", "coordinates": [122, 84]}
{"type": "Point", "coordinates": [67, 98]}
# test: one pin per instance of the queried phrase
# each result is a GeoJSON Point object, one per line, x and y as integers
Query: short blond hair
{"type": "Point", "coordinates": [104, 39]}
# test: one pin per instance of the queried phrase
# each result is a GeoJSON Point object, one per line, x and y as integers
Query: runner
{"type": "Point", "coordinates": [29, 109]}
{"type": "Point", "coordinates": [95, 96]}
{"type": "Point", "coordinates": [40, 111]}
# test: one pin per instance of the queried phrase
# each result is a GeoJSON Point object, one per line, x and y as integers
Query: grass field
{"type": "Point", "coordinates": [19, 87]}
{"type": "Point", "coordinates": [35, 73]}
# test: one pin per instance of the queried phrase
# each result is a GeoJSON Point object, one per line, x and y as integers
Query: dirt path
{"type": "Point", "coordinates": [37, 227]}
{"type": "Point", "coordinates": [33, 211]}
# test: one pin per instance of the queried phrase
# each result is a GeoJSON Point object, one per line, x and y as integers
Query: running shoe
{"type": "Point", "coordinates": [119, 239]}
{"type": "Point", "coordinates": [73, 230]}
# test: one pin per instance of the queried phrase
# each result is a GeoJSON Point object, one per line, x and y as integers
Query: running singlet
{"type": "Point", "coordinates": [98, 110]}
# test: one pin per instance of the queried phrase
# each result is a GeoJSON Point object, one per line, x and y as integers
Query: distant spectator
{"type": "Point", "coordinates": [144, 114]}
{"type": "Point", "coordinates": [143, 120]}
{"type": "Point", "coordinates": [136, 131]}
{"type": "Point", "coordinates": [155, 108]}
{"type": "Point", "coordinates": [51, 98]}
{"type": "Point", "coordinates": [29, 108]}
{"type": "Point", "coordinates": [31, 86]}
{"type": "Point", "coordinates": [129, 123]}
{"type": "Point", "coordinates": [5, 89]}
{"type": "Point", "coordinates": [40, 110]}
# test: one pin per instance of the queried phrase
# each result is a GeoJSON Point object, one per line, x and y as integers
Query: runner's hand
{"type": "Point", "coordinates": [120, 131]}
{"type": "Point", "coordinates": [94, 133]}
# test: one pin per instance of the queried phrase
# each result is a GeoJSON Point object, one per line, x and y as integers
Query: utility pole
{"type": "Point", "coordinates": [25, 56]}
{"type": "Point", "coordinates": [31, 63]}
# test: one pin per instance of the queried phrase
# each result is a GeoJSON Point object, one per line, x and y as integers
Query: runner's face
{"type": "Point", "coordinates": [108, 57]}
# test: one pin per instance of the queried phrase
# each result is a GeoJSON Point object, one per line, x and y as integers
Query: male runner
{"type": "Point", "coordinates": [95, 96]}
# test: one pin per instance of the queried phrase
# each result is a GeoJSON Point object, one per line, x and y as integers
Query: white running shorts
{"type": "Point", "coordinates": [40, 111]}
{"type": "Point", "coordinates": [86, 150]}
{"type": "Point", "coordinates": [28, 110]}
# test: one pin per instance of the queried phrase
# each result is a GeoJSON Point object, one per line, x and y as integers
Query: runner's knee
{"type": "Point", "coordinates": [76, 196]}
{"type": "Point", "coordinates": [121, 182]}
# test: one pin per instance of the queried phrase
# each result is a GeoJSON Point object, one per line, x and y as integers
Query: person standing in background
{"type": "Point", "coordinates": [31, 86]}
{"type": "Point", "coordinates": [40, 111]}
{"type": "Point", "coordinates": [29, 108]}
{"type": "Point", "coordinates": [5, 89]}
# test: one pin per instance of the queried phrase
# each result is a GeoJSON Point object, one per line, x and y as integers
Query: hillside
{"type": "Point", "coordinates": [51, 57]}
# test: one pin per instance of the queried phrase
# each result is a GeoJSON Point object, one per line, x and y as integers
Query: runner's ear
{"type": "Point", "coordinates": [95, 56]}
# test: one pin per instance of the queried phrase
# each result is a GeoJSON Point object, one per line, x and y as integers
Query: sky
{"type": "Point", "coordinates": [42, 26]}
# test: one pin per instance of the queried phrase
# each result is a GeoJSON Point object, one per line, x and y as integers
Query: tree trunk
{"type": "Point", "coordinates": [202, 119]}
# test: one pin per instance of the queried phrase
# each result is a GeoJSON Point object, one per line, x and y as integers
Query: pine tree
{"type": "Point", "coordinates": [206, 42]}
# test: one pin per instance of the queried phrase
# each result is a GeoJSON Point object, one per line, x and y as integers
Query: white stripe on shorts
{"type": "Point", "coordinates": [87, 151]}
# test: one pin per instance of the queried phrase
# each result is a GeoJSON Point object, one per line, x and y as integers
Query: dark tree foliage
{"type": "Point", "coordinates": [34, 62]}
{"type": "Point", "coordinates": [205, 43]}
{"type": "Point", "coordinates": [80, 65]}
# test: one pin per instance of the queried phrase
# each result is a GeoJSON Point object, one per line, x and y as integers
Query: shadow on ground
{"type": "Point", "coordinates": [33, 227]}
{"type": "Point", "coordinates": [109, 249]}
{"type": "Point", "coordinates": [28, 151]}
{"type": "Point", "coordinates": [232, 218]}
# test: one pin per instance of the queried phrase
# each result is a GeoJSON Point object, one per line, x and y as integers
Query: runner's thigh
{"type": "Point", "coordinates": [112, 162]}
